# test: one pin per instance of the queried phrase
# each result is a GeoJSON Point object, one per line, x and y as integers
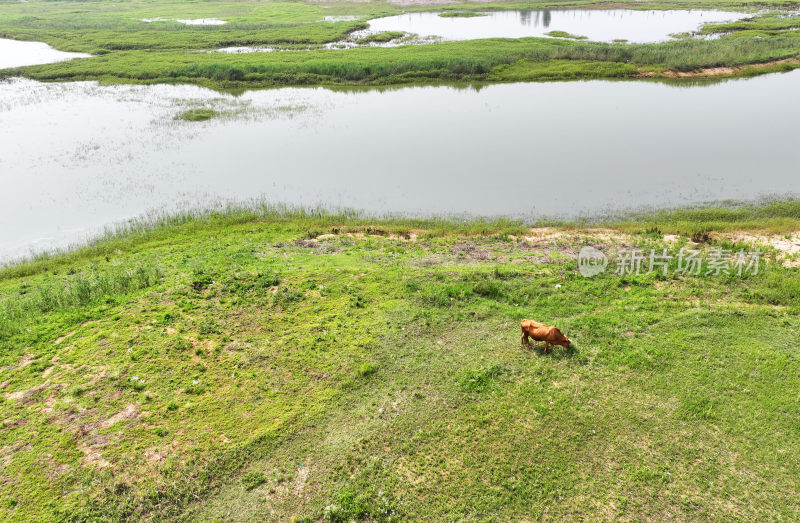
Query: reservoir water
{"type": "Point", "coordinates": [635, 26]}
{"type": "Point", "coordinates": [76, 157]}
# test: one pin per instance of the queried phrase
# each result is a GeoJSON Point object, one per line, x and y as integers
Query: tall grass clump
{"type": "Point", "coordinates": [189, 222]}
{"type": "Point", "coordinates": [197, 115]}
{"type": "Point", "coordinates": [475, 60]}
{"type": "Point", "coordinates": [72, 291]}
{"type": "Point", "coordinates": [377, 38]}
{"type": "Point", "coordinates": [769, 214]}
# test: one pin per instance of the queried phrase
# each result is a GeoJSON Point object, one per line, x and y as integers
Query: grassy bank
{"type": "Point", "coordinates": [769, 216]}
{"type": "Point", "coordinates": [130, 50]}
{"type": "Point", "coordinates": [273, 364]}
{"type": "Point", "coordinates": [479, 60]}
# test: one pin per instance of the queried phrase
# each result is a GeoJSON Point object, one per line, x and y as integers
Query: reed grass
{"type": "Point", "coordinates": [131, 51]}
{"type": "Point", "coordinates": [477, 60]}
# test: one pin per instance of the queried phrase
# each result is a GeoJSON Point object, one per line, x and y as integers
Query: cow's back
{"type": "Point", "coordinates": [541, 333]}
{"type": "Point", "coordinates": [530, 325]}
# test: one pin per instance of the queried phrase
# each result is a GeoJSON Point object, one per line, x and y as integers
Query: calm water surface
{"type": "Point", "coordinates": [194, 21]}
{"type": "Point", "coordinates": [14, 53]}
{"type": "Point", "coordinates": [76, 157]}
{"type": "Point", "coordinates": [595, 24]}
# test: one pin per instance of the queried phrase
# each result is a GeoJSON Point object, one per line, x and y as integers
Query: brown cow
{"type": "Point", "coordinates": [540, 332]}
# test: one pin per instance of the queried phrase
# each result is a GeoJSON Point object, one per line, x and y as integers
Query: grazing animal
{"type": "Point", "coordinates": [540, 332]}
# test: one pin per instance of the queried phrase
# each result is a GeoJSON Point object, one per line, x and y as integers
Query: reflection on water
{"type": "Point", "coordinates": [75, 157]}
{"type": "Point", "coordinates": [14, 53]}
{"type": "Point", "coordinates": [596, 24]}
{"type": "Point", "coordinates": [535, 18]}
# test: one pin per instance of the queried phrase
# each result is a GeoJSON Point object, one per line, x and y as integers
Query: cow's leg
{"type": "Point", "coordinates": [524, 339]}
{"type": "Point", "coordinates": [546, 347]}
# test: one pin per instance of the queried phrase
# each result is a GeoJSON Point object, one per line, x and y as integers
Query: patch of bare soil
{"type": "Point", "coordinates": [317, 245]}
{"type": "Point", "coordinates": [472, 250]}
{"type": "Point", "coordinates": [128, 413]}
{"type": "Point", "coordinates": [566, 242]}
{"type": "Point", "coordinates": [23, 361]}
{"type": "Point", "coordinates": [788, 245]}
{"type": "Point", "coordinates": [27, 396]}
{"type": "Point", "coordinates": [155, 455]}
{"type": "Point", "coordinates": [569, 242]}
{"type": "Point", "coordinates": [92, 443]}
{"type": "Point", "coordinates": [92, 446]}
{"type": "Point", "coordinates": [709, 72]}
{"type": "Point", "coordinates": [62, 338]}
{"type": "Point", "coordinates": [409, 3]}
{"type": "Point", "coordinates": [7, 451]}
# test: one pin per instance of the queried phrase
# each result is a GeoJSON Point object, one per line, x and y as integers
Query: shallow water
{"type": "Point", "coordinates": [342, 18]}
{"type": "Point", "coordinates": [602, 25]}
{"type": "Point", "coordinates": [193, 21]}
{"type": "Point", "coordinates": [76, 157]}
{"type": "Point", "coordinates": [14, 53]}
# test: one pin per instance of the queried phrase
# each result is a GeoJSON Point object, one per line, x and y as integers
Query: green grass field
{"type": "Point", "coordinates": [130, 50]}
{"type": "Point", "coordinates": [276, 365]}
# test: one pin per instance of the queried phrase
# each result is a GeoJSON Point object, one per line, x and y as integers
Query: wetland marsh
{"type": "Point", "coordinates": [75, 157]}
{"type": "Point", "coordinates": [601, 25]}
{"type": "Point", "coordinates": [376, 43]}
{"type": "Point", "coordinates": [14, 53]}
{"type": "Point", "coordinates": [284, 282]}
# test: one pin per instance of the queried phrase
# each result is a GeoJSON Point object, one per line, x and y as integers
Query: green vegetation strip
{"type": "Point", "coordinates": [129, 50]}
{"type": "Point", "coordinates": [378, 38]}
{"type": "Point", "coordinates": [451, 61]}
{"type": "Point", "coordinates": [460, 14]}
{"type": "Point", "coordinates": [564, 34]}
{"type": "Point", "coordinates": [197, 115]}
{"type": "Point", "coordinates": [329, 366]}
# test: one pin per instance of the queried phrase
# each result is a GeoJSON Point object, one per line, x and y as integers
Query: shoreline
{"type": "Point", "coordinates": [768, 220]}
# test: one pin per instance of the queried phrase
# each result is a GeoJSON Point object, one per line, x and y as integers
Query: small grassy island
{"type": "Point", "coordinates": [198, 115]}
{"type": "Point", "coordinates": [564, 34]}
{"type": "Point", "coordinates": [461, 14]}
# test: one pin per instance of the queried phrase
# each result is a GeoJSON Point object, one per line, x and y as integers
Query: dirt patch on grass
{"type": "Point", "coordinates": [23, 361]}
{"type": "Point", "coordinates": [91, 443]}
{"type": "Point", "coordinates": [315, 245]}
{"type": "Point", "coordinates": [539, 235]}
{"type": "Point", "coordinates": [155, 455]}
{"type": "Point", "coordinates": [7, 451]}
{"type": "Point", "coordinates": [128, 413]}
{"type": "Point", "coordinates": [27, 396]}
{"type": "Point", "coordinates": [710, 72]}
{"type": "Point", "coordinates": [787, 246]}
{"type": "Point", "coordinates": [404, 470]}
{"type": "Point", "coordinates": [64, 337]}
{"type": "Point", "coordinates": [558, 243]}
{"type": "Point", "coordinates": [472, 250]}
{"type": "Point", "coordinates": [300, 481]}
{"type": "Point", "coordinates": [409, 3]}
{"type": "Point", "coordinates": [92, 446]}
